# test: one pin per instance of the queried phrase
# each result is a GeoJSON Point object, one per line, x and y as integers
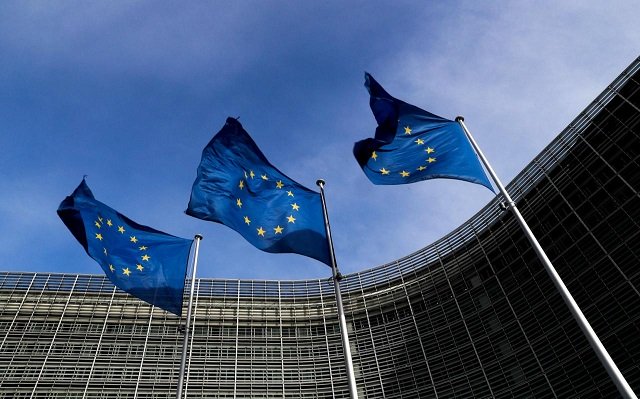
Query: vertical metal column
{"type": "Point", "coordinates": [183, 361]}
{"type": "Point", "coordinates": [621, 383]}
{"type": "Point", "coordinates": [195, 314]}
{"type": "Point", "coordinates": [144, 352]}
{"type": "Point", "coordinates": [336, 283]}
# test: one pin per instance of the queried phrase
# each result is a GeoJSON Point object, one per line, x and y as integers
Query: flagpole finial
{"type": "Point", "coordinates": [198, 237]}
{"type": "Point", "coordinates": [320, 182]}
{"type": "Point", "coordinates": [459, 118]}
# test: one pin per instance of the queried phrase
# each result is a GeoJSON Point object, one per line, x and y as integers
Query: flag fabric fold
{"type": "Point", "coordinates": [412, 145]}
{"type": "Point", "coordinates": [146, 263]}
{"type": "Point", "coordinates": [238, 187]}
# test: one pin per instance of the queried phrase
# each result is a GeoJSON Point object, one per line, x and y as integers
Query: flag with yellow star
{"type": "Point", "coordinates": [146, 263]}
{"type": "Point", "coordinates": [412, 145]}
{"type": "Point", "coordinates": [238, 187]}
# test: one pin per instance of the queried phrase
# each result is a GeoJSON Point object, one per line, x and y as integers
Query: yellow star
{"type": "Point", "coordinates": [278, 229]}
{"type": "Point", "coordinates": [429, 150]}
{"type": "Point", "coordinates": [421, 168]}
{"type": "Point", "coordinates": [100, 219]}
{"type": "Point", "coordinates": [295, 206]}
{"type": "Point", "coordinates": [109, 223]}
{"type": "Point", "coordinates": [126, 271]}
{"type": "Point", "coordinates": [404, 173]}
{"type": "Point", "coordinates": [374, 156]}
{"type": "Point", "coordinates": [431, 160]}
{"type": "Point", "coordinates": [139, 267]}
{"type": "Point", "coordinates": [289, 193]}
{"type": "Point", "coordinates": [419, 141]}
{"type": "Point", "coordinates": [143, 248]}
{"type": "Point", "coordinates": [245, 174]}
{"type": "Point", "coordinates": [247, 220]}
{"type": "Point", "coordinates": [279, 184]}
{"type": "Point", "coordinates": [133, 239]}
{"type": "Point", "coordinates": [112, 268]}
{"type": "Point", "coordinates": [105, 251]}
{"type": "Point", "coordinates": [261, 231]}
{"type": "Point", "coordinates": [291, 219]}
{"type": "Point", "coordinates": [146, 258]}
{"type": "Point", "coordinates": [384, 171]}
{"type": "Point", "coordinates": [97, 224]}
{"type": "Point", "coordinates": [239, 203]}
{"type": "Point", "coordinates": [251, 174]}
{"type": "Point", "coordinates": [241, 185]}
{"type": "Point", "coordinates": [264, 177]}
{"type": "Point", "coordinates": [407, 130]}
{"type": "Point", "coordinates": [99, 236]}
{"type": "Point", "coordinates": [121, 229]}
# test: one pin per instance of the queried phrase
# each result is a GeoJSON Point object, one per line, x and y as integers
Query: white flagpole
{"type": "Point", "coordinates": [336, 284]}
{"type": "Point", "coordinates": [185, 343]}
{"type": "Point", "coordinates": [615, 374]}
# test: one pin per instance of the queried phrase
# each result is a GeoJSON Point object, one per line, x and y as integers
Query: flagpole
{"type": "Point", "coordinates": [183, 361]}
{"type": "Point", "coordinates": [615, 374]}
{"type": "Point", "coordinates": [336, 284]}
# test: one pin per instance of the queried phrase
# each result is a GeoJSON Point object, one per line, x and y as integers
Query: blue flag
{"type": "Point", "coordinates": [412, 145]}
{"type": "Point", "coordinates": [147, 263]}
{"type": "Point", "coordinates": [238, 187]}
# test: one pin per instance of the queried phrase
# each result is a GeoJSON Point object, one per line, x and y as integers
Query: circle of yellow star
{"type": "Point", "coordinates": [142, 248]}
{"type": "Point", "coordinates": [404, 173]}
{"type": "Point", "coordinates": [261, 231]}
{"type": "Point", "coordinates": [139, 267]}
{"type": "Point", "coordinates": [289, 193]}
{"type": "Point", "coordinates": [374, 156]}
{"type": "Point", "coordinates": [247, 220]}
{"type": "Point", "coordinates": [295, 206]}
{"type": "Point", "coordinates": [121, 229]}
{"type": "Point", "coordinates": [431, 160]}
{"type": "Point", "coordinates": [97, 224]}
{"type": "Point", "coordinates": [429, 150]}
{"type": "Point", "coordinates": [239, 203]}
{"type": "Point", "coordinates": [421, 168]}
{"type": "Point", "coordinates": [407, 130]}
{"type": "Point", "coordinates": [291, 219]}
{"type": "Point", "coordinates": [99, 236]}
{"type": "Point", "coordinates": [264, 177]}
{"type": "Point", "coordinates": [279, 184]}
{"type": "Point", "coordinates": [241, 184]}
{"type": "Point", "coordinates": [146, 258]}
{"type": "Point", "coordinates": [126, 271]}
{"type": "Point", "coordinates": [109, 223]}
{"type": "Point", "coordinates": [112, 268]}
{"type": "Point", "coordinates": [278, 229]}
{"type": "Point", "coordinates": [133, 239]}
{"type": "Point", "coordinates": [419, 141]}
{"type": "Point", "coordinates": [384, 171]}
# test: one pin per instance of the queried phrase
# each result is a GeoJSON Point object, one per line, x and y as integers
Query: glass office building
{"type": "Point", "coordinates": [471, 315]}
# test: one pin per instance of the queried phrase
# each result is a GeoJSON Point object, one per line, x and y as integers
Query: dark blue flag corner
{"type": "Point", "coordinates": [238, 187]}
{"type": "Point", "coordinates": [411, 144]}
{"type": "Point", "coordinates": [146, 263]}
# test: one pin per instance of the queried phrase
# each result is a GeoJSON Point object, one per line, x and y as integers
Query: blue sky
{"type": "Point", "coordinates": [129, 93]}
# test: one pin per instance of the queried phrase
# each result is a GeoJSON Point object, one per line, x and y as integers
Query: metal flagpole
{"type": "Point", "coordinates": [185, 343]}
{"type": "Point", "coordinates": [336, 284]}
{"type": "Point", "coordinates": [594, 341]}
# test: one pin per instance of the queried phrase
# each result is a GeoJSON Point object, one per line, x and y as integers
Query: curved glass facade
{"type": "Point", "coordinates": [472, 315]}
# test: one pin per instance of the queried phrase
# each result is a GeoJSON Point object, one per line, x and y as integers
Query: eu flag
{"type": "Point", "coordinates": [147, 263]}
{"type": "Point", "coordinates": [238, 187]}
{"type": "Point", "coordinates": [412, 145]}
